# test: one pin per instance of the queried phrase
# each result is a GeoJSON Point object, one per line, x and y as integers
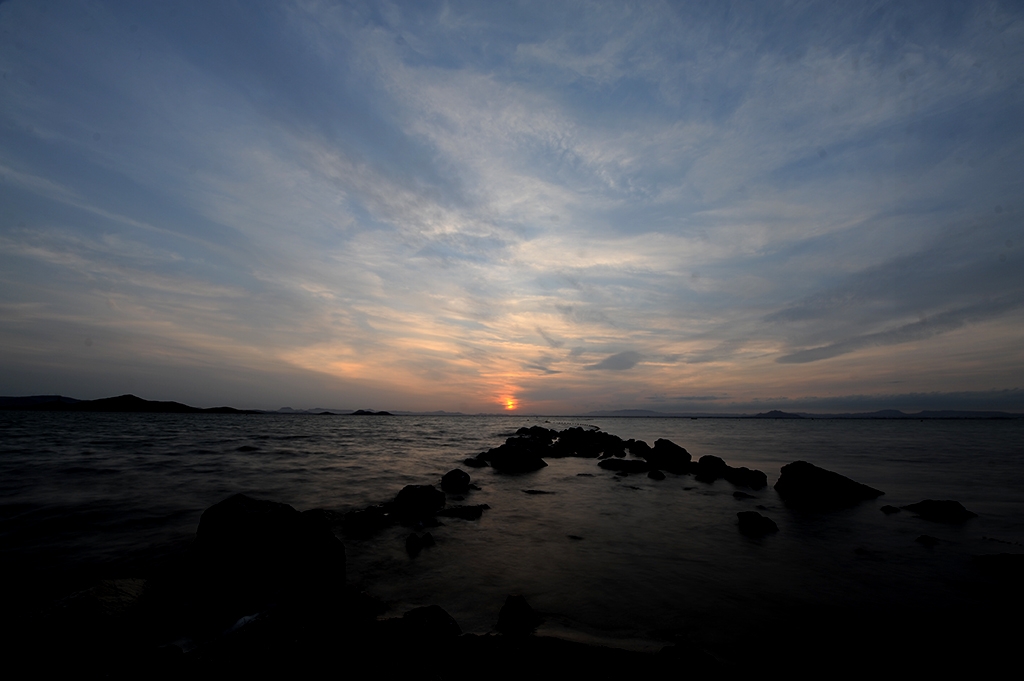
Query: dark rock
{"type": "Point", "coordinates": [946, 511]}
{"type": "Point", "coordinates": [668, 456]}
{"type": "Point", "coordinates": [743, 495]}
{"type": "Point", "coordinates": [464, 512]}
{"type": "Point", "coordinates": [455, 481]}
{"type": "Point", "coordinates": [807, 486]}
{"type": "Point", "coordinates": [625, 465]}
{"type": "Point", "coordinates": [637, 447]}
{"type": "Point", "coordinates": [753, 524]}
{"type": "Point", "coordinates": [416, 502]}
{"type": "Point", "coordinates": [431, 622]}
{"type": "Point", "coordinates": [587, 443]}
{"type": "Point", "coordinates": [575, 537]}
{"type": "Point", "coordinates": [475, 463]}
{"type": "Point", "coordinates": [248, 553]}
{"type": "Point", "coordinates": [517, 455]}
{"type": "Point", "coordinates": [711, 468]}
{"type": "Point", "coordinates": [746, 477]}
{"type": "Point", "coordinates": [889, 510]}
{"type": "Point", "coordinates": [926, 540]}
{"type": "Point", "coordinates": [517, 617]}
{"type": "Point", "coordinates": [427, 540]}
{"type": "Point", "coordinates": [413, 545]}
{"type": "Point", "coordinates": [536, 491]}
{"type": "Point", "coordinates": [656, 475]}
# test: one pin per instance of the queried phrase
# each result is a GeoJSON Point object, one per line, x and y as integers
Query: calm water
{"type": "Point", "coordinates": [109, 494]}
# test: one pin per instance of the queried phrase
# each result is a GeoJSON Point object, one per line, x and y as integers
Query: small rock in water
{"type": "Point", "coordinates": [517, 617]}
{"type": "Point", "coordinates": [946, 511]}
{"type": "Point", "coordinates": [536, 491]}
{"type": "Point", "coordinates": [574, 536]}
{"type": "Point", "coordinates": [743, 495]}
{"type": "Point", "coordinates": [889, 510]}
{"type": "Point", "coordinates": [753, 524]}
{"type": "Point", "coordinates": [926, 540]}
{"type": "Point", "coordinates": [455, 481]}
{"type": "Point", "coordinates": [656, 475]}
{"type": "Point", "coordinates": [475, 463]}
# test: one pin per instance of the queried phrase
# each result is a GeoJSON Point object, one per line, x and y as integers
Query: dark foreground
{"type": "Point", "coordinates": [261, 593]}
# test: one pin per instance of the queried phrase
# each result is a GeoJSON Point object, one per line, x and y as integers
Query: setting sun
{"type": "Point", "coordinates": [511, 403]}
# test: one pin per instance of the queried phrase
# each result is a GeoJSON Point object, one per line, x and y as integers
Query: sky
{"type": "Point", "coordinates": [528, 207]}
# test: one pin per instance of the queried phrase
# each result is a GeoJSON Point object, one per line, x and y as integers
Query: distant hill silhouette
{"type": "Point", "coordinates": [121, 404]}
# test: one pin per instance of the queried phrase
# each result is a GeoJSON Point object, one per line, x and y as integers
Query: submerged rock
{"type": "Point", "coordinates": [656, 475]}
{"type": "Point", "coordinates": [807, 486]}
{"type": "Point", "coordinates": [517, 617]}
{"type": "Point", "coordinates": [889, 510]}
{"type": "Point", "coordinates": [753, 524]}
{"type": "Point", "coordinates": [464, 512]}
{"type": "Point", "coordinates": [947, 511]}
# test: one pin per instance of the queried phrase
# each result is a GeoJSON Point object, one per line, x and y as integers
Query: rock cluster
{"type": "Point", "coordinates": [526, 450]}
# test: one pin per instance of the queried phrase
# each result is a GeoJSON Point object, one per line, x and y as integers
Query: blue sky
{"type": "Point", "coordinates": [557, 207]}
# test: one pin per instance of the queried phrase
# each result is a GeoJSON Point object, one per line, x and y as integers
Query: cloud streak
{"type": "Point", "coordinates": [449, 205]}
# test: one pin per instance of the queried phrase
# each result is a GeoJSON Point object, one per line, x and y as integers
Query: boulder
{"type": "Point", "coordinates": [587, 443]}
{"type": "Point", "coordinates": [889, 510]}
{"type": "Point", "coordinates": [927, 540]}
{"type": "Point", "coordinates": [668, 456]}
{"type": "Point", "coordinates": [249, 553]}
{"type": "Point", "coordinates": [517, 455]}
{"type": "Point", "coordinates": [517, 617]}
{"type": "Point", "coordinates": [455, 481]}
{"type": "Point", "coordinates": [417, 502]}
{"type": "Point", "coordinates": [710, 468]}
{"type": "Point", "coordinates": [946, 511]}
{"type": "Point", "coordinates": [753, 524]}
{"type": "Point", "coordinates": [637, 447]}
{"type": "Point", "coordinates": [804, 485]}
{"type": "Point", "coordinates": [656, 475]}
{"type": "Point", "coordinates": [475, 463]}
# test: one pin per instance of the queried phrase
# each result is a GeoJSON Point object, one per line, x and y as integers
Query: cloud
{"type": "Point", "coordinates": [618, 362]}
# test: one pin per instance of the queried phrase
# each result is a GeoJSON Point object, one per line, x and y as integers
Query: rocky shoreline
{"type": "Point", "coordinates": [262, 589]}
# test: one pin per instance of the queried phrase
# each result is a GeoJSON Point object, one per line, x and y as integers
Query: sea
{"type": "Point", "coordinates": [626, 561]}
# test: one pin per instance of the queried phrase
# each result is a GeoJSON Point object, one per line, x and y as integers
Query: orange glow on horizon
{"type": "Point", "coordinates": [511, 404]}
